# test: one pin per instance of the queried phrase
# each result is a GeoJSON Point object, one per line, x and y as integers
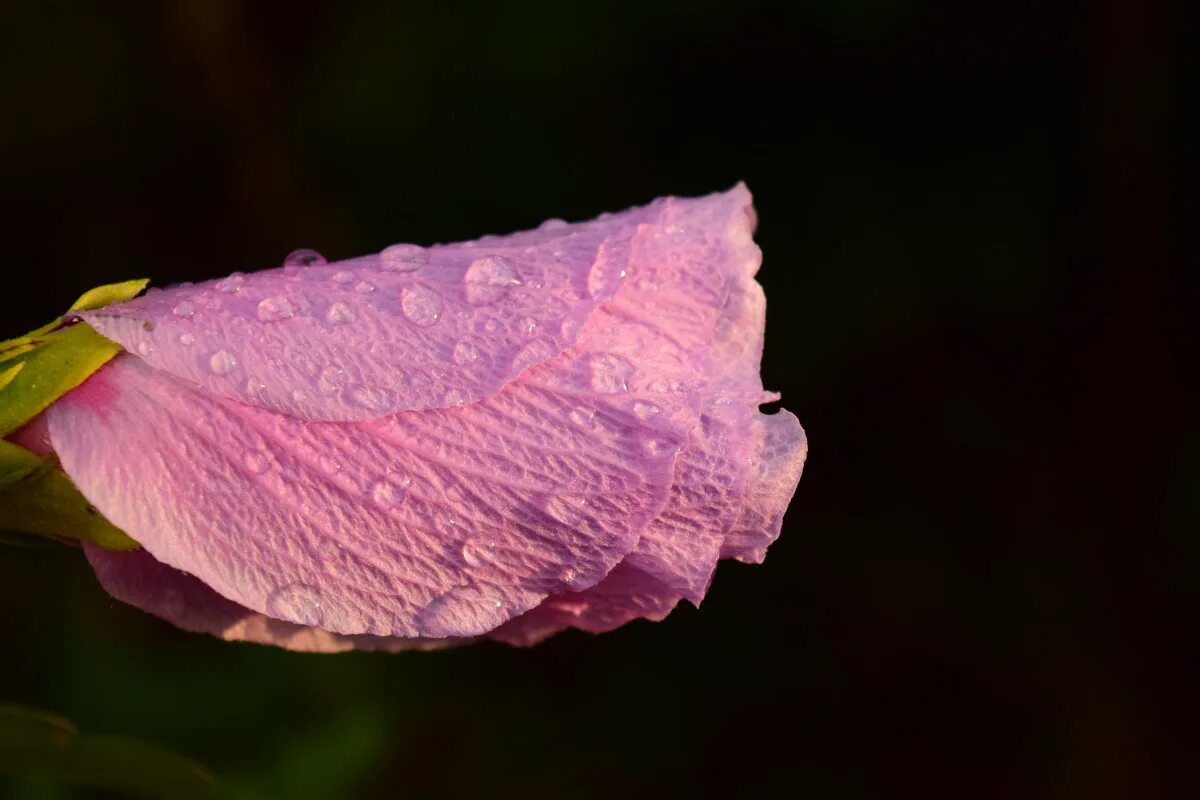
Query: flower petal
{"type": "Point", "coordinates": [436, 523]}
{"type": "Point", "coordinates": [409, 328]}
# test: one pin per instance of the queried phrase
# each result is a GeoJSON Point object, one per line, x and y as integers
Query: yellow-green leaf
{"type": "Point", "coordinates": [36, 497]}
{"type": "Point", "coordinates": [7, 375]}
{"type": "Point", "coordinates": [112, 293]}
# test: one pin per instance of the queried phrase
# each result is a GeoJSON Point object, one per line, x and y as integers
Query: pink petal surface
{"type": "Point", "coordinates": [597, 484]}
{"type": "Point", "coordinates": [408, 328]}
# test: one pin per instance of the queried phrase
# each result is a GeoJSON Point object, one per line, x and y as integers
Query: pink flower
{"type": "Point", "coordinates": [500, 438]}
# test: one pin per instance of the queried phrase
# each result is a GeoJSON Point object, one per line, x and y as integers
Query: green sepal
{"type": "Point", "coordinates": [42, 366]}
{"type": "Point", "coordinates": [37, 497]}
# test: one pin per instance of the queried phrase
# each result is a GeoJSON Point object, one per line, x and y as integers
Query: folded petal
{"type": "Point", "coordinates": [437, 523]}
{"type": "Point", "coordinates": [409, 328]}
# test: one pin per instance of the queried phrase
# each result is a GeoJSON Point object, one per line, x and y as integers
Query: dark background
{"type": "Point", "coordinates": [980, 259]}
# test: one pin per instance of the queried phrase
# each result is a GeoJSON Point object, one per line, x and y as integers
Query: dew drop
{"type": "Point", "coordinates": [657, 448]}
{"type": "Point", "coordinates": [465, 353]}
{"type": "Point", "coordinates": [299, 396]}
{"type": "Point", "coordinates": [296, 602]}
{"type": "Point", "coordinates": [144, 348]}
{"type": "Point", "coordinates": [553, 224]}
{"type": "Point", "coordinates": [304, 257]}
{"type": "Point", "coordinates": [403, 257]}
{"type": "Point", "coordinates": [478, 554]}
{"type": "Point", "coordinates": [420, 305]}
{"type": "Point", "coordinates": [567, 510]}
{"type": "Point", "coordinates": [365, 287]}
{"type": "Point", "coordinates": [570, 329]}
{"type": "Point", "coordinates": [535, 352]}
{"type": "Point", "coordinates": [487, 279]}
{"type": "Point", "coordinates": [339, 314]}
{"type": "Point", "coordinates": [606, 274]}
{"type": "Point", "coordinates": [343, 277]}
{"type": "Point", "coordinates": [454, 398]}
{"type": "Point", "coordinates": [528, 326]}
{"type": "Point", "coordinates": [389, 491]}
{"type": "Point", "coordinates": [583, 417]}
{"type": "Point", "coordinates": [371, 397]}
{"type": "Point", "coordinates": [222, 362]}
{"type": "Point", "coordinates": [645, 411]}
{"type": "Point", "coordinates": [184, 310]}
{"type": "Point", "coordinates": [254, 386]}
{"type": "Point", "coordinates": [275, 308]}
{"type": "Point", "coordinates": [331, 380]}
{"type": "Point", "coordinates": [187, 339]}
{"type": "Point", "coordinates": [610, 373]}
{"type": "Point", "coordinates": [230, 285]}
{"type": "Point", "coordinates": [464, 611]}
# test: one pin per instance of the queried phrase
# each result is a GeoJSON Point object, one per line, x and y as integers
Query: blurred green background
{"type": "Point", "coordinates": [980, 259]}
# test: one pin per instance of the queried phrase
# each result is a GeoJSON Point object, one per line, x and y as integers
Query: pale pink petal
{"type": "Point", "coordinates": [435, 523]}
{"type": "Point", "coordinates": [409, 328]}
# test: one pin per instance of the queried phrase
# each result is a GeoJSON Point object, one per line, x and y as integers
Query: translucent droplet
{"type": "Point", "coordinates": [304, 257]}
{"type": "Point", "coordinates": [535, 352]}
{"type": "Point", "coordinates": [487, 279]}
{"type": "Point", "coordinates": [187, 339]}
{"type": "Point", "coordinates": [420, 305]}
{"type": "Point", "coordinates": [365, 287]}
{"type": "Point", "coordinates": [463, 611]}
{"type": "Point", "coordinates": [389, 491]}
{"type": "Point", "coordinates": [570, 605]}
{"type": "Point", "coordinates": [528, 326]}
{"type": "Point", "coordinates": [275, 308]}
{"type": "Point", "coordinates": [371, 397]}
{"type": "Point", "coordinates": [222, 362]}
{"type": "Point", "coordinates": [465, 353]}
{"type": "Point", "coordinates": [232, 284]}
{"type": "Point", "coordinates": [144, 348]}
{"type": "Point", "coordinates": [184, 309]}
{"type": "Point", "coordinates": [478, 554]}
{"type": "Point", "coordinates": [606, 274]}
{"type": "Point", "coordinates": [343, 277]}
{"type": "Point", "coordinates": [609, 373]}
{"type": "Point", "coordinates": [454, 398]}
{"type": "Point", "coordinates": [258, 462]}
{"type": "Point", "coordinates": [570, 329]}
{"type": "Point", "coordinates": [553, 224]}
{"type": "Point", "coordinates": [564, 509]}
{"type": "Point", "coordinates": [331, 380]}
{"type": "Point", "coordinates": [299, 396]}
{"type": "Point", "coordinates": [403, 257]}
{"type": "Point", "coordinates": [340, 314]}
{"type": "Point", "coordinates": [657, 448]}
{"type": "Point", "coordinates": [644, 411]}
{"type": "Point", "coordinates": [583, 416]}
{"type": "Point", "coordinates": [296, 602]}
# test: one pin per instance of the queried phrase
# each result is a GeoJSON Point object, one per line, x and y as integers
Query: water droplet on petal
{"type": "Point", "coordinates": [645, 411]}
{"type": "Point", "coordinates": [275, 308]}
{"type": "Point", "coordinates": [222, 362]}
{"type": "Point", "coordinates": [583, 417]}
{"type": "Point", "coordinates": [605, 274]}
{"type": "Point", "coordinates": [528, 326]}
{"type": "Point", "coordinates": [296, 602]}
{"type": "Point", "coordinates": [403, 257]}
{"type": "Point", "coordinates": [389, 491]}
{"type": "Point", "coordinates": [144, 348]}
{"type": "Point", "coordinates": [299, 396]}
{"type": "Point", "coordinates": [535, 352]}
{"type": "Point", "coordinates": [343, 277]}
{"type": "Point", "coordinates": [371, 397]}
{"type": "Point", "coordinates": [454, 398]}
{"type": "Point", "coordinates": [478, 554]}
{"type": "Point", "coordinates": [330, 382]}
{"type": "Point", "coordinates": [329, 465]}
{"type": "Point", "coordinates": [657, 448]}
{"type": "Point", "coordinates": [420, 305]}
{"type": "Point", "coordinates": [184, 310]}
{"type": "Point", "coordinates": [610, 373]}
{"type": "Point", "coordinates": [365, 287]}
{"type": "Point", "coordinates": [465, 353]}
{"type": "Point", "coordinates": [553, 224]}
{"type": "Point", "coordinates": [570, 329]}
{"type": "Point", "coordinates": [187, 339]}
{"type": "Point", "coordinates": [340, 314]}
{"type": "Point", "coordinates": [564, 509]}
{"type": "Point", "coordinates": [231, 285]}
{"type": "Point", "coordinates": [487, 279]}
{"type": "Point", "coordinates": [463, 611]}
{"type": "Point", "coordinates": [304, 257]}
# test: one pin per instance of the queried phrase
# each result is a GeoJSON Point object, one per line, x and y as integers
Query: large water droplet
{"type": "Point", "coordinates": [478, 553]}
{"type": "Point", "coordinates": [299, 396]}
{"type": "Point", "coordinates": [606, 273]}
{"type": "Point", "coordinates": [464, 611]}
{"type": "Point", "coordinates": [340, 314]}
{"type": "Point", "coordinates": [465, 353]}
{"type": "Point", "coordinates": [222, 362]}
{"type": "Point", "coordinates": [535, 352]}
{"type": "Point", "coordinates": [296, 602]}
{"type": "Point", "coordinates": [610, 373]}
{"type": "Point", "coordinates": [365, 287]}
{"type": "Point", "coordinates": [487, 279]}
{"type": "Point", "coordinates": [304, 257]}
{"type": "Point", "coordinates": [528, 326]}
{"type": "Point", "coordinates": [144, 348]}
{"type": "Point", "coordinates": [343, 277]}
{"type": "Point", "coordinates": [564, 509]}
{"type": "Point", "coordinates": [657, 448]}
{"type": "Point", "coordinates": [389, 491]}
{"type": "Point", "coordinates": [454, 398]}
{"type": "Point", "coordinates": [187, 339]}
{"type": "Point", "coordinates": [403, 257]}
{"type": "Point", "coordinates": [420, 305]}
{"type": "Point", "coordinates": [184, 309]}
{"type": "Point", "coordinates": [645, 411]}
{"type": "Point", "coordinates": [255, 386]}
{"type": "Point", "coordinates": [553, 224]}
{"type": "Point", "coordinates": [275, 308]}
{"type": "Point", "coordinates": [583, 416]}
{"type": "Point", "coordinates": [232, 284]}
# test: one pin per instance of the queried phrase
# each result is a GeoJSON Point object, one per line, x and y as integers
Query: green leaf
{"type": "Point", "coordinates": [36, 497]}
{"type": "Point", "coordinates": [55, 359]}
{"type": "Point", "coordinates": [102, 296]}
{"type": "Point", "coordinates": [42, 747]}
